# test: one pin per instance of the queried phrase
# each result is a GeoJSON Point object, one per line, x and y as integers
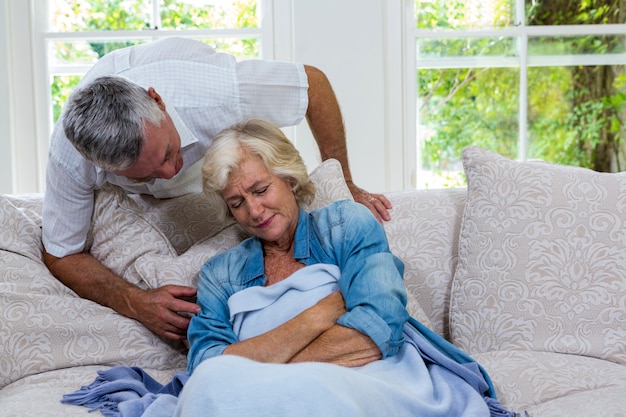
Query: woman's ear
{"type": "Point", "coordinates": [293, 183]}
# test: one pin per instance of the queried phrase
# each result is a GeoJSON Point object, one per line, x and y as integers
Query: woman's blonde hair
{"type": "Point", "coordinates": [259, 138]}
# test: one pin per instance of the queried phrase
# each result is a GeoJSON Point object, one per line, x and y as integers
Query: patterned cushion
{"type": "Point", "coordinates": [45, 326]}
{"type": "Point", "coordinates": [121, 232]}
{"type": "Point", "coordinates": [556, 384]}
{"type": "Point", "coordinates": [158, 270]}
{"type": "Point", "coordinates": [423, 232]}
{"type": "Point", "coordinates": [39, 395]}
{"type": "Point", "coordinates": [541, 262]}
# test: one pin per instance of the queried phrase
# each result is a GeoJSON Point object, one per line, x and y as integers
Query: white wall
{"type": "Point", "coordinates": [6, 153]}
{"type": "Point", "coordinates": [348, 47]}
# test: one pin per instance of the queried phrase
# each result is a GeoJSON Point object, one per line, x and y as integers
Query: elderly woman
{"type": "Point", "coordinates": [307, 317]}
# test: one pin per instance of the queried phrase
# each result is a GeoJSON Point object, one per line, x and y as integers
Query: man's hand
{"type": "Point", "coordinates": [166, 311]}
{"type": "Point", "coordinates": [377, 203]}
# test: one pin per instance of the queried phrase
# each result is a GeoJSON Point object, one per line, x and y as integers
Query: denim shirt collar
{"type": "Point", "coordinates": [302, 239]}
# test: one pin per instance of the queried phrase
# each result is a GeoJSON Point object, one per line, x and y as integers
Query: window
{"type": "Point", "coordinates": [530, 79]}
{"type": "Point", "coordinates": [76, 33]}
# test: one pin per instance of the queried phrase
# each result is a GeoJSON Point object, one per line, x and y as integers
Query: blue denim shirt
{"type": "Point", "coordinates": [345, 234]}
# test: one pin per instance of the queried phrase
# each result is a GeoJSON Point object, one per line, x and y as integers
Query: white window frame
{"type": "Point", "coordinates": [522, 32]}
{"type": "Point", "coordinates": [33, 116]}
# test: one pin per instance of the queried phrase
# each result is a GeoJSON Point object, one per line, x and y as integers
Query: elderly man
{"type": "Point", "coordinates": [142, 118]}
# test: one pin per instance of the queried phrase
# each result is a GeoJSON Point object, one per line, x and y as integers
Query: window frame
{"type": "Point", "coordinates": [522, 32]}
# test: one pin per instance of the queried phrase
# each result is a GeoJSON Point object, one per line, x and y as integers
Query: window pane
{"type": "Point", "coordinates": [463, 14]}
{"type": "Point", "coordinates": [580, 119]}
{"type": "Point", "coordinates": [209, 14]}
{"type": "Point", "coordinates": [61, 87]}
{"type": "Point", "coordinates": [567, 12]}
{"type": "Point", "coordinates": [80, 53]}
{"type": "Point", "coordinates": [460, 107]}
{"type": "Point", "coordinates": [91, 15]}
{"type": "Point", "coordinates": [468, 47]}
{"type": "Point", "coordinates": [572, 45]}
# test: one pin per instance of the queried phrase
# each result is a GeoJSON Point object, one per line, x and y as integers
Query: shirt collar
{"type": "Point", "coordinates": [301, 246]}
{"type": "Point", "coordinates": [186, 135]}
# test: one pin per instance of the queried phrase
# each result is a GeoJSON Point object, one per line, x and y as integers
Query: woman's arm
{"type": "Point", "coordinates": [282, 343]}
{"type": "Point", "coordinates": [371, 277]}
{"type": "Point", "coordinates": [211, 332]}
{"type": "Point", "coordinates": [341, 346]}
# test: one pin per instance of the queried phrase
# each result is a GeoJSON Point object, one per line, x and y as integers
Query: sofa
{"type": "Point", "coordinates": [525, 269]}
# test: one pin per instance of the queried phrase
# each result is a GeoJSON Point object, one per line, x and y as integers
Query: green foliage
{"type": "Point", "coordinates": [124, 15]}
{"type": "Point", "coordinates": [467, 107]}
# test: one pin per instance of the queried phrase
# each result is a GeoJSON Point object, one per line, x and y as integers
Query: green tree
{"type": "Point", "coordinates": [595, 118]}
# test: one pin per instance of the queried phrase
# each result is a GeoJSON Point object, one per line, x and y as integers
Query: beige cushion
{"type": "Point", "coordinates": [556, 384]}
{"type": "Point", "coordinates": [121, 232]}
{"type": "Point", "coordinates": [423, 232]}
{"type": "Point", "coordinates": [542, 256]}
{"type": "Point", "coordinates": [45, 326]}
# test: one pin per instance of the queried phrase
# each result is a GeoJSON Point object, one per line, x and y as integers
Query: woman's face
{"type": "Point", "coordinates": [262, 202]}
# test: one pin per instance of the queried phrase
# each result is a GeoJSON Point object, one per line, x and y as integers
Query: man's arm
{"type": "Point", "coordinates": [157, 309]}
{"type": "Point", "coordinates": [326, 123]}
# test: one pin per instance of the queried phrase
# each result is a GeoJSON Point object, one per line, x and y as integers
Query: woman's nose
{"type": "Point", "coordinates": [255, 209]}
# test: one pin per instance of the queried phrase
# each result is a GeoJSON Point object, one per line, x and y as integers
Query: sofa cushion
{"type": "Point", "coordinates": [541, 262]}
{"type": "Point", "coordinates": [556, 384]}
{"type": "Point", "coordinates": [121, 232]}
{"type": "Point", "coordinates": [45, 326]}
{"type": "Point", "coordinates": [40, 395]}
{"type": "Point", "coordinates": [423, 232]}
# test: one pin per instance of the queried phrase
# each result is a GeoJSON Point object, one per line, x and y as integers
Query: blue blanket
{"type": "Point", "coordinates": [426, 360]}
{"type": "Point", "coordinates": [124, 391]}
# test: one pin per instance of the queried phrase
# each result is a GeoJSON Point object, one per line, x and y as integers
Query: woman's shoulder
{"type": "Point", "coordinates": [233, 258]}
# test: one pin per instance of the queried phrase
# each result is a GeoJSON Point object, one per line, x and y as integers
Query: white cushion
{"type": "Point", "coordinates": [542, 259]}
{"type": "Point", "coordinates": [46, 326]}
{"type": "Point", "coordinates": [556, 384]}
{"type": "Point", "coordinates": [423, 232]}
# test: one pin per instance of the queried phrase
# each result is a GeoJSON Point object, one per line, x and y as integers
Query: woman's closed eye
{"type": "Point", "coordinates": [258, 190]}
{"type": "Point", "coordinates": [236, 204]}
{"type": "Point", "coordinates": [261, 190]}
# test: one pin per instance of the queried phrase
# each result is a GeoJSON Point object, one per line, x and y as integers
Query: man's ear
{"type": "Point", "coordinates": [156, 97]}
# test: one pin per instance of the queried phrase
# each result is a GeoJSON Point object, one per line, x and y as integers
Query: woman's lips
{"type": "Point", "coordinates": [266, 223]}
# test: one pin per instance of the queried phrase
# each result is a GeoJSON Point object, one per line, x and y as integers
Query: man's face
{"type": "Point", "coordinates": [161, 156]}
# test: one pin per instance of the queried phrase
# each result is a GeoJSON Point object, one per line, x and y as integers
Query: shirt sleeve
{"type": "Point", "coordinates": [371, 280]}
{"type": "Point", "coordinates": [210, 331]}
{"type": "Point", "coordinates": [69, 198]}
{"type": "Point", "coordinates": [276, 91]}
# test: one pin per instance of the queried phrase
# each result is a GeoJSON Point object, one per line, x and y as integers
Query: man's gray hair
{"type": "Point", "coordinates": [105, 121]}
